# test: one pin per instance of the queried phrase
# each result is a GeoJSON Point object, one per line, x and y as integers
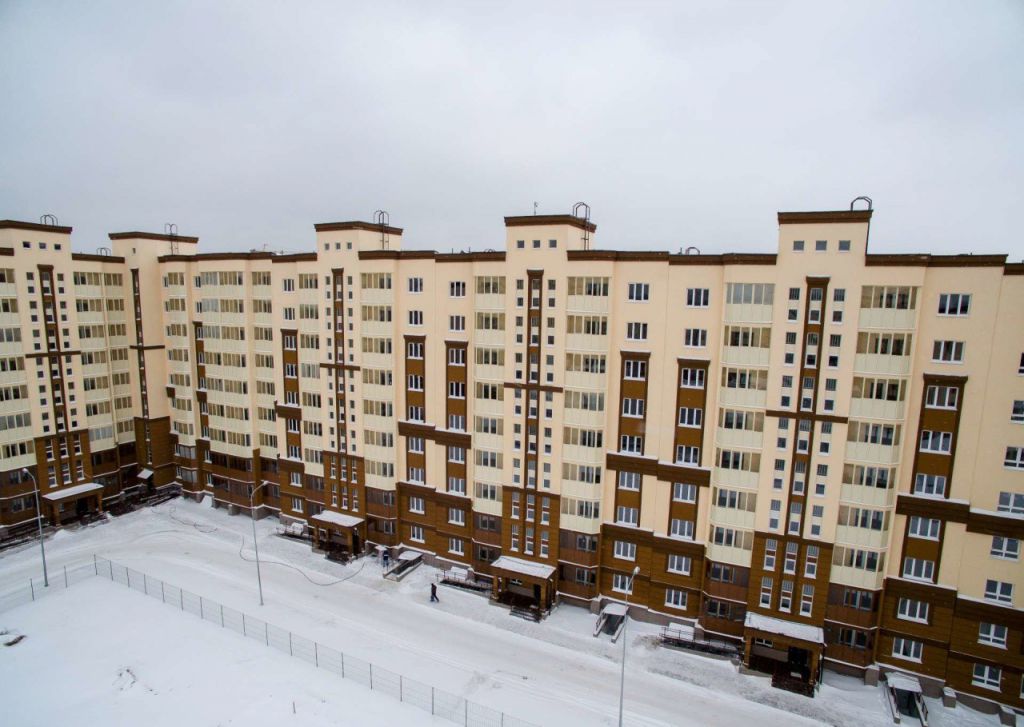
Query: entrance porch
{"type": "Point", "coordinates": [791, 652]}
{"type": "Point", "coordinates": [524, 585]}
{"type": "Point", "coordinates": [72, 503]}
{"type": "Point", "coordinates": [338, 535]}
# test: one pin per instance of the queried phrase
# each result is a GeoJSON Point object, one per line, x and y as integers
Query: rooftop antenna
{"type": "Point", "coordinates": [867, 235]}
{"type": "Point", "coordinates": [586, 220]}
{"type": "Point", "coordinates": [534, 209]}
{"type": "Point", "coordinates": [382, 218]}
{"type": "Point", "coordinates": [171, 230]}
{"type": "Point", "coordinates": [50, 220]}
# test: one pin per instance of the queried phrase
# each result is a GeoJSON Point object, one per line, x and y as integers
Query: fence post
{"type": "Point", "coordinates": [243, 625]}
{"type": "Point", "coordinates": [95, 565]}
{"type": "Point", "coordinates": [316, 655]}
{"type": "Point", "coordinates": [401, 690]}
{"type": "Point", "coordinates": [128, 576]}
{"type": "Point", "coordinates": [163, 596]}
{"type": "Point", "coordinates": [145, 584]}
{"type": "Point", "coordinates": [181, 598]}
{"type": "Point", "coordinates": [110, 564]}
{"type": "Point", "coordinates": [266, 632]}
{"type": "Point", "coordinates": [343, 665]}
{"type": "Point", "coordinates": [466, 703]}
{"type": "Point", "coordinates": [371, 676]}
{"type": "Point", "coordinates": [33, 587]}
{"type": "Point", "coordinates": [65, 576]}
{"type": "Point", "coordinates": [201, 614]}
{"type": "Point", "coordinates": [290, 645]}
{"type": "Point", "coordinates": [431, 700]}
{"type": "Point", "coordinates": [222, 616]}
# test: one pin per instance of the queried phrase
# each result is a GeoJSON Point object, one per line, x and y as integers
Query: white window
{"type": "Point", "coordinates": [690, 417]}
{"type": "Point", "coordinates": [627, 515]}
{"type": "Point", "coordinates": [456, 323]}
{"type": "Point", "coordinates": [416, 505]}
{"type": "Point", "coordinates": [456, 357]}
{"type": "Point", "coordinates": [992, 634]}
{"type": "Point", "coordinates": [698, 297]}
{"type": "Point", "coordinates": [633, 407]}
{"type": "Point", "coordinates": [622, 583]}
{"type": "Point", "coordinates": [635, 370]}
{"type": "Point", "coordinates": [416, 533]}
{"type": "Point", "coordinates": [631, 444]}
{"type": "Point", "coordinates": [786, 597]}
{"type": "Point", "coordinates": [691, 379]}
{"type": "Point", "coordinates": [695, 337]}
{"type": "Point", "coordinates": [679, 564]}
{"type": "Point", "coordinates": [986, 676]}
{"type": "Point", "coordinates": [1017, 411]}
{"type": "Point", "coordinates": [934, 485]}
{"type": "Point", "coordinates": [771, 549]}
{"type": "Point", "coordinates": [806, 600]}
{"type": "Point", "coordinates": [681, 528]}
{"type": "Point", "coordinates": [415, 318]}
{"type": "Point", "coordinates": [624, 550]}
{"type": "Point", "coordinates": [907, 649]}
{"type": "Point", "coordinates": [909, 609]}
{"type": "Point", "coordinates": [629, 480]}
{"type": "Point", "coordinates": [684, 492]}
{"type": "Point", "coordinates": [924, 527]}
{"type": "Point", "coordinates": [415, 285]}
{"type": "Point", "coordinates": [636, 331]}
{"type": "Point", "coordinates": [639, 292]}
{"type": "Point", "coordinates": [1014, 458]}
{"type": "Point", "coordinates": [675, 598]}
{"type": "Point", "coordinates": [456, 516]}
{"type": "Point", "coordinates": [1005, 548]}
{"type": "Point", "coordinates": [998, 591]}
{"type": "Point", "coordinates": [457, 289]}
{"type": "Point", "coordinates": [941, 397]}
{"type": "Point", "coordinates": [954, 304]}
{"type": "Point", "coordinates": [686, 454]}
{"type": "Point", "coordinates": [948, 352]}
{"type": "Point", "coordinates": [296, 504]}
{"type": "Point", "coordinates": [918, 569]}
{"type": "Point", "coordinates": [1011, 502]}
{"type": "Point", "coordinates": [939, 442]}
{"type": "Point", "coordinates": [767, 584]}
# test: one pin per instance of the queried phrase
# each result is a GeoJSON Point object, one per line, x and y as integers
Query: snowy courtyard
{"type": "Point", "coordinates": [98, 653]}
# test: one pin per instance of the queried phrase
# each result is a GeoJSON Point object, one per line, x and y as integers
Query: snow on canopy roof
{"type": "Point", "coordinates": [337, 518]}
{"type": "Point", "coordinates": [615, 609]}
{"type": "Point", "coordinates": [905, 682]}
{"type": "Point", "coordinates": [803, 632]}
{"type": "Point", "coordinates": [72, 491]}
{"type": "Point", "coordinates": [410, 555]}
{"type": "Point", "coordinates": [523, 567]}
{"type": "Point", "coordinates": [145, 474]}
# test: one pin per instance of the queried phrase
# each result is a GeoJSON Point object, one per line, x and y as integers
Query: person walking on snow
{"type": "Point", "coordinates": [433, 593]}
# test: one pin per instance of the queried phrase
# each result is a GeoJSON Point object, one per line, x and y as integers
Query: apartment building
{"type": "Point", "coordinates": [817, 452]}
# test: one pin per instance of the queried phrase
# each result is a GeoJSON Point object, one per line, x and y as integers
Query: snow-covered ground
{"type": "Point", "coordinates": [554, 672]}
{"type": "Point", "coordinates": [100, 654]}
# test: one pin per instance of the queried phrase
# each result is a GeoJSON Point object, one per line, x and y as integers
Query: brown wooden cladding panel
{"type": "Point", "coordinates": [820, 582]}
{"type": "Point", "coordinates": [933, 656]}
{"type": "Point", "coordinates": [437, 530]}
{"type": "Point", "coordinates": [960, 676]}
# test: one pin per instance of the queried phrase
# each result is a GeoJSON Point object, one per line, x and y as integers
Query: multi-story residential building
{"type": "Point", "coordinates": [816, 452]}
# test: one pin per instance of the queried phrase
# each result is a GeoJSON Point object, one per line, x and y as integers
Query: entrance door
{"type": "Point", "coordinates": [799, 661]}
{"type": "Point", "coordinates": [355, 543]}
{"type": "Point", "coordinates": [536, 594]}
{"type": "Point", "coordinates": [82, 506]}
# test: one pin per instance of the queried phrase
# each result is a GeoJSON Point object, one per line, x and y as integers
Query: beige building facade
{"type": "Point", "coordinates": [817, 453]}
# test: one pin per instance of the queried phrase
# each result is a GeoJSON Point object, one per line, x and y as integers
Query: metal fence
{"type": "Point", "coordinates": [59, 581]}
{"type": "Point", "coordinates": [436, 701]}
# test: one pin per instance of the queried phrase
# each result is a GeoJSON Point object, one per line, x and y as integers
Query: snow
{"type": "Point", "coordinates": [553, 672]}
{"type": "Point", "coordinates": [615, 609]}
{"type": "Point", "coordinates": [410, 555]}
{"type": "Point", "coordinates": [906, 683]}
{"type": "Point", "coordinates": [73, 491]}
{"type": "Point", "coordinates": [804, 632]}
{"type": "Point", "coordinates": [337, 518]}
{"type": "Point", "coordinates": [523, 567]}
{"type": "Point", "coordinates": [145, 474]}
{"type": "Point", "coordinates": [125, 659]}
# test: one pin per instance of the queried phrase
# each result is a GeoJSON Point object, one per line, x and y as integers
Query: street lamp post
{"type": "Point", "coordinates": [39, 521]}
{"type": "Point", "coordinates": [252, 512]}
{"type": "Point", "coordinates": [625, 622]}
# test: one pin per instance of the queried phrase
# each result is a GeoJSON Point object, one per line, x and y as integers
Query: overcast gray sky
{"type": "Point", "coordinates": [680, 123]}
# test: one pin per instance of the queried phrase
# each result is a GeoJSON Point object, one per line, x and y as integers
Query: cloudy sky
{"type": "Point", "coordinates": [681, 123]}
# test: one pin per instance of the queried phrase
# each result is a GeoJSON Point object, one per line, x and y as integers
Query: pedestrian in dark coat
{"type": "Point", "coordinates": [433, 593]}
